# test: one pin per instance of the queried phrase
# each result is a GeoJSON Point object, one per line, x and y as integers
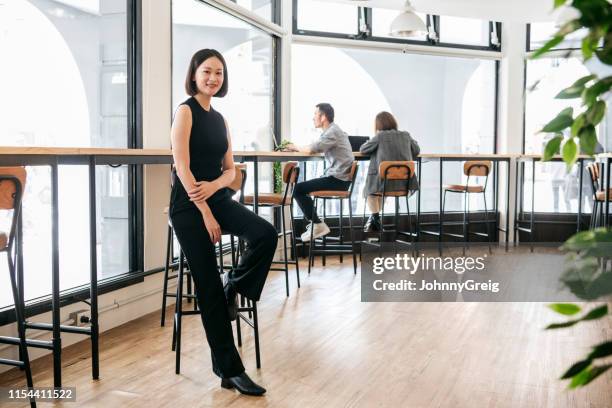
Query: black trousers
{"type": "Point", "coordinates": [248, 278]}
{"type": "Point", "coordinates": [300, 193]}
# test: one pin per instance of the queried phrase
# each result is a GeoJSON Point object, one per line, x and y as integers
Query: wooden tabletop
{"type": "Point", "coordinates": [101, 151]}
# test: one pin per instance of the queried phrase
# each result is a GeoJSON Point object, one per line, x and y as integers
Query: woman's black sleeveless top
{"type": "Point", "coordinates": [207, 147]}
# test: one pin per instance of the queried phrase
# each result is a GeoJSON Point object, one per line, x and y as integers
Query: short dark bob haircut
{"type": "Point", "coordinates": [198, 58]}
{"type": "Point", "coordinates": [327, 110]}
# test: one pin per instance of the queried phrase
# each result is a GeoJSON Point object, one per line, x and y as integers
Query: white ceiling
{"type": "Point", "coordinates": [495, 10]}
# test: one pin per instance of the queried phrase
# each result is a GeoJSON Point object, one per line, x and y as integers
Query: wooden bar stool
{"type": "Point", "coordinates": [396, 171]}
{"type": "Point", "coordinates": [291, 174]}
{"type": "Point", "coordinates": [341, 248]}
{"type": "Point", "coordinates": [599, 196]}
{"type": "Point", "coordinates": [247, 306]}
{"type": "Point", "coordinates": [474, 168]}
{"type": "Point", "coordinates": [12, 185]}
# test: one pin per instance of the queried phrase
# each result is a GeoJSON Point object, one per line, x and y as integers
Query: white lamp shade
{"type": "Point", "coordinates": [407, 24]}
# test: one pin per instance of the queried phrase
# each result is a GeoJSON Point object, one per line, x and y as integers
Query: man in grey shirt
{"type": "Point", "coordinates": [335, 145]}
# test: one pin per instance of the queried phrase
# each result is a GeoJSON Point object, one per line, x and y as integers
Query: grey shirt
{"type": "Point", "coordinates": [338, 153]}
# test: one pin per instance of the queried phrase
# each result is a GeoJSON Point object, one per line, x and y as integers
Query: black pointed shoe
{"type": "Point", "coordinates": [373, 224]}
{"type": "Point", "coordinates": [243, 384]}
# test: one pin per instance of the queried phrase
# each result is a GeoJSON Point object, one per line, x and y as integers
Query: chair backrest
{"type": "Point", "coordinates": [593, 169]}
{"type": "Point", "coordinates": [353, 175]}
{"type": "Point", "coordinates": [291, 172]}
{"type": "Point", "coordinates": [396, 170]}
{"type": "Point", "coordinates": [477, 168]}
{"type": "Point", "coordinates": [239, 179]}
{"type": "Point", "coordinates": [10, 191]}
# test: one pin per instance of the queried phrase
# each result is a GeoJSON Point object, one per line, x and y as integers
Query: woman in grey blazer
{"type": "Point", "coordinates": [388, 144]}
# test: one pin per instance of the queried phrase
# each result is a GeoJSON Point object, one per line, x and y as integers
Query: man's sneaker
{"type": "Point", "coordinates": [320, 229]}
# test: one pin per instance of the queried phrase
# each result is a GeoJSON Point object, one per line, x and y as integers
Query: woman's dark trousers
{"type": "Point", "coordinates": [248, 278]}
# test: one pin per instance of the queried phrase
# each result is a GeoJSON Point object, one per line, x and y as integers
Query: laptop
{"type": "Point", "coordinates": [357, 141]}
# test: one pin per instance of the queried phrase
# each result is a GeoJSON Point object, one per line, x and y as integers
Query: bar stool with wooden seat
{"type": "Point", "coordinates": [249, 307]}
{"type": "Point", "coordinates": [474, 168]}
{"type": "Point", "coordinates": [599, 196]}
{"type": "Point", "coordinates": [396, 171]}
{"type": "Point", "coordinates": [341, 248]}
{"type": "Point", "coordinates": [291, 174]}
{"type": "Point", "coordinates": [12, 184]}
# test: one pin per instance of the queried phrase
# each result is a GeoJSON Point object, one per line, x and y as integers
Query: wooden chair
{"type": "Point", "coordinates": [12, 185]}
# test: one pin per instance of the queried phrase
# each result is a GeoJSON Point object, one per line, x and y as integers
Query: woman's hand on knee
{"type": "Point", "coordinates": [212, 226]}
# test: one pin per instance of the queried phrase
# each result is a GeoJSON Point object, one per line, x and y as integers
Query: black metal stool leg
{"type": "Point", "coordinates": [19, 312]}
{"type": "Point", "coordinates": [256, 332]}
{"type": "Point", "coordinates": [324, 236]}
{"type": "Point", "coordinates": [166, 272]}
{"type": "Point", "coordinates": [340, 228]}
{"type": "Point", "coordinates": [294, 246]}
{"type": "Point", "coordinates": [351, 236]}
{"type": "Point", "coordinates": [284, 232]}
{"type": "Point", "coordinates": [179, 314]}
{"type": "Point", "coordinates": [484, 197]}
{"type": "Point", "coordinates": [310, 249]}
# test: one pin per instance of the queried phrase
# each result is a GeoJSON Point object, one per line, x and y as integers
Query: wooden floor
{"type": "Point", "coordinates": [322, 347]}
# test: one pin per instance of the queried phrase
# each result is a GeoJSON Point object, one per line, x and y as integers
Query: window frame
{"type": "Point", "coordinates": [136, 271]}
{"type": "Point", "coordinates": [366, 12]}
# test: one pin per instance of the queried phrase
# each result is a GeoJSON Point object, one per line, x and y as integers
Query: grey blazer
{"type": "Point", "coordinates": [389, 145]}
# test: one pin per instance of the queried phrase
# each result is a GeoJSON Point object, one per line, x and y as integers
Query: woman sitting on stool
{"type": "Point", "coordinates": [388, 144]}
{"type": "Point", "coordinates": [201, 207]}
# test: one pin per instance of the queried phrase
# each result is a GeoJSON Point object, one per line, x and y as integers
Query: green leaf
{"type": "Point", "coordinates": [596, 112]}
{"type": "Point", "coordinates": [575, 369]}
{"type": "Point", "coordinates": [587, 49]}
{"type": "Point", "coordinates": [570, 152]}
{"type": "Point", "coordinates": [596, 313]}
{"type": "Point", "coordinates": [587, 375]}
{"type": "Point", "coordinates": [600, 87]}
{"type": "Point", "coordinates": [576, 89]}
{"type": "Point", "coordinates": [562, 121]}
{"type": "Point", "coordinates": [601, 350]}
{"type": "Point", "coordinates": [548, 46]}
{"type": "Point", "coordinates": [567, 309]}
{"type": "Point", "coordinates": [570, 93]}
{"type": "Point", "coordinates": [588, 139]}
{"type": "Point", "coordinates": [582, 81]}
{"type": "Point", "coordinates": [559, 3]}
{"type": "Point", "coordinates": [552, 147]}
{"type": "Point", "coordinates": [605, 54]}
{"type": "Point", "coordinates": [563, 325]}
{"type": "Point", "coordinates": [577, 125]}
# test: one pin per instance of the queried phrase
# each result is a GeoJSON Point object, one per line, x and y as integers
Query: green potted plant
{"type": "Point", "coordinates": [588, 251]}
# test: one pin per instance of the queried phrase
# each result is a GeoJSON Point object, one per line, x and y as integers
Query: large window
{"type": "Point", "coordinates": [334, 19]}
{"type": "Point", "coordinates": [446, 103]}
{"type": "Point", "coordinates": [64, 80]}
{"type": "Point", "coordinates": [459, 30]}
{"type": "Point", "coordinates": [556, 189]}
{"type": "Point", "coordinates": [319, 15]}
{"type": "Point", "coordinates": [263, 8]}
{"type": "Point", "coordinates": [540, 33]}
{"type": "Point", "coordinates": [249, 53]}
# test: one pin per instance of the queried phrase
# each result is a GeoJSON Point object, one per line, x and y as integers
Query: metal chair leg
{"type": "Point", "coordinates": [256, 332]}
{"type": "Point", "coordinates": [19, 315]}
{"type": "Point", "coordinates": [310, 254]}
{"type": "Point", "coordinates": [166, 273]}
{"type": "Point", "coordinates": [284, 232]}
{"type": "Point", "coordinates": [484, 197]}
{"type": "Point", "coordinates": [351, 236]}
{"type": "Point", "coordinates": [294, 247]}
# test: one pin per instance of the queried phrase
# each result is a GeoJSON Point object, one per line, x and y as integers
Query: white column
{"type": "Point", "coordinates": [511, 108]}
